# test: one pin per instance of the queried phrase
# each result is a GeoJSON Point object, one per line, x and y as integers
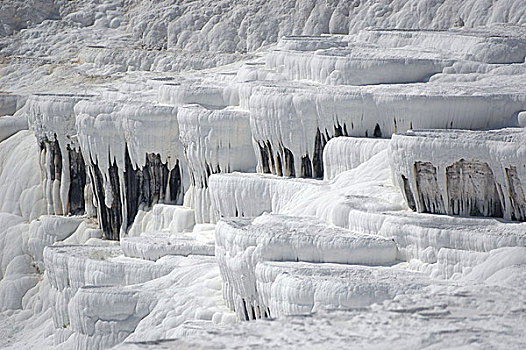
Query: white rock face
{"type": "Point", "coordinates": [464, 172]}
{"type": "Point", "coordinates": [11, 125]}
{"type": "Point", "coordinates": [303, 288]}
{"type": "Point", "coordinates": [69, 268]}
{"type": "Point", "coordinates": [483, 45]}
{"type": "Point", "coordinates": [352, 64]}
{"type": "Point", "coordinates": [47, 230]}
{"type": "Point", "coordinates": [249, 195]}
{"type": "Point", "coordinates": [198, 27]}
{"type": "Point", "coordinates": [136, 159]}
{"type": "Point", "coordinates": [345, 153]}
{"type": "Point", "coordinates": [168, 230]}
{"type": "Point", "coordinates": [20, 195]}
{"type": "Point", "coordinates": [52, 120]}
{"type": "Point", "coordinates": [214, 141]}
{"type": "Point", "coordinates": [241, 244]}
{"type": "Point", "coordinates": [191, 164]}
{"type": "Point", "coordinates": [291, 124]}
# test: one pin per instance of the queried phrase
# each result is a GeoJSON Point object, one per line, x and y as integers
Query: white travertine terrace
{"type": "Point", "coordinates": [214, 141]}
{"type": "Point", "coordinates": [345, 172]}
{"type": "Point", "coordinates": [463, 172]}
{"type": "Point", "coordinates": [241, 244]}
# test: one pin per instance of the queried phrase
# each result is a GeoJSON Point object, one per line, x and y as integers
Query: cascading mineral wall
{"type": "Point", "coordinates": [466, 173]}
{"type": "Point", "coordinates": [243, 243]}
{"type": "Point", "coordinates": [52, 119]}
{"type": "Point", "coordinates": [135, 159]}
{"type": "Point", "coordinates": [214, 141]}
{"type": "Point", "coordinates": [291, 124]}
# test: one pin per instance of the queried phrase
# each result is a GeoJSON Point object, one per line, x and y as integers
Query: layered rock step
{"type": "Point", "coordinates": [211, 95]}
{"type": "Point", "coordinates": [71, 267]}
{"type": "Point", "coordinates": [345, 63]}
{"type": "Point", "coordinates": [244, 242]}
{"type": "Point", "coordinates": [292, 122]}
{"type": "Point", "coordinates": [189, 293]}
{"type": "Point", "coordinates": [250, 195]}
{"type": "Point", "coordinates": [300, 288]}
{"type": "Point", "coordinates": [461, 172]}
{"type": "Point", "coordinates": [10, 125]}
{"type": "Point", "coordinates": [443, 244]}
{"type": "Point", "coordinates": [10, 103]}
{"type": "Point", "coordinates": [123, 59]}
{"type": "Point", "coordinates": [168, 230]}
{"type": "Point", "coordinates": [412, 318]}
{"type": "Point", "coordinates": [214, 141]}
{"type": "Point", "coordinates": [154, 245]}
{"type": "Point", "coordinates": [496, 44]}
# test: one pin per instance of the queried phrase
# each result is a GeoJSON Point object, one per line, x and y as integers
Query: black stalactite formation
{"type": "Point", "coordinates": [306, 166]}
{"type": "Point", "coordinates": [281, 162]}
{"type": "Point", "coordinates": [110, 219]}
{"type": "Point", "coordinates": [317, 160]}
{"type": "Point", "coordinates": [55, 165]}
{"type": "Point", "coordinates": [77, 173]}
{"type": "Point", "coordinates": [377, 131]}
{"type": "Point", "coordinates": [115, 212]}
{"type": "Point", "coordinates": [98, 190]}
{"type": "Point", "coordinates": [289, 163]}
{"type": "Point", "coordinates": [264, 158]}
{"type": "Point", "coordinates": [470, 187]}
{"type": "Point", "coordinates": [152, 184]}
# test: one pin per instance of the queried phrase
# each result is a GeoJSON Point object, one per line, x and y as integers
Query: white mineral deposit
{"type": "Point", "coordinates": [267, 174]}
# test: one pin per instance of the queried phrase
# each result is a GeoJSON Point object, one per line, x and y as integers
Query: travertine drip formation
{"type": "Point", "coordinates": [336, 172]}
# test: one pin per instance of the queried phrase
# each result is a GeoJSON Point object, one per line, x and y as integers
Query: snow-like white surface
{"type": "Point", "coordinates": [69, 268]}
{"type": "Point", "coordinates": [228, 26]}
{"type": "Point", "coordinates": [243, 243]}
{"type": "Point", "coordinates": [484, 45]}
{"type": "Point", "coordinates": [10, 125]}
{"type": "Point", "coordinates": [212, 87]}
{"type": "Point", "coordinates": [354, 65]}
{"type": "Point", "coordinates": [167, 230]}
{"type": "Point", "coordinates": [345, 153]}
{"type": "Point", "coordinates": [249, 195]}
{"type": "Point", "coordinates": [168, 218]}
{"type": "Point", "coordinates": [20, 188]}
{"type": "Point", "coordinates": [305, 288]}
{"type": "Point", "coordinates": [154, 245]}
{"type": "Point", "coordinates": [365, 189]}
{"type": "Point", "coordinates": [150, 310]}
{"type": "Point", "coordinates": [446, 316]}
{"type": "Point", "coordinates": [214, 141]}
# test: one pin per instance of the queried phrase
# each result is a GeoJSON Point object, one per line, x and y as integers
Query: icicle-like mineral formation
{"type": "Point", "coordinates": [215, 141]}
{"type": "Point", "coordinates": [52, 119]}
{"type": "Point", "coordinates": [462, 172]}
{"type": "Point", "coordinates": [134, 157]}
